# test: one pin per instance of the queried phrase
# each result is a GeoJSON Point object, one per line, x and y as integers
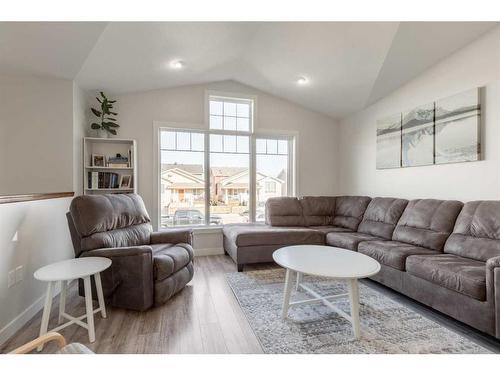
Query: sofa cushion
{"type": "Point", "coordinates": [256, 235]}
{"type": "Point", "coordinates": [284, 212]}
{"type": "Point", "coordinates": [349, 211]}
{"type": "Point", "coordinates": [100, 213]}
{"type": "Point", "coordinates": [427, 223]}
{"type": "Point", "coordinates": [348, 240]}
{"type": "Point", "coordinates": [391, 253]}
{"type": "Point", "coordinates": [318, 211]}
{"type": "Point", "coordinates": [463, 275]}
{"type": "Point", "coordinates": [477, 231]}
{"type": "Point", "coordinates": [381, 216]}
{"type": "Point", "coordinates": [327, 229]}
{"type": "Point", "coordinates": [168, 259]}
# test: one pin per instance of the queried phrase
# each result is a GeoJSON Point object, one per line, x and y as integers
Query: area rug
{"type": "Point", "coordinates": [386, 326]}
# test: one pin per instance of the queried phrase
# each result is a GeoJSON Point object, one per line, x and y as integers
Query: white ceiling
{"type": "Point", "coordinates": [349, 64]}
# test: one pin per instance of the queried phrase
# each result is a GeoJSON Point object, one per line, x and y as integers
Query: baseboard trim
{"type": "Point", "coordinates": [19, 321]}
{"type": "Point", "coordinates": [209, 251]}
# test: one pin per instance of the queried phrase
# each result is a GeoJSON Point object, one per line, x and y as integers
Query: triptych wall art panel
{"type": "Point", "coordinates": [446, 131]}
{"type": "Point", "coordinates": [389, 142]}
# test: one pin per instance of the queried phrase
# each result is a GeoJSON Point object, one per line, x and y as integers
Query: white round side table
{"type": "Point", "coordinates": [63, 272]}
{"type": "Point", "coordinates": [326, 261]}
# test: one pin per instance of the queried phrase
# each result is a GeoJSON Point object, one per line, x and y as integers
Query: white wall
{"type": "Point", "coordinates": [474, 66]}
{"type": "Point", "coordinates": [80, 125]}
{"type": "Point", "coordinates": [42, 124]}
{"type": "Point", "coordinates": [36, 116]}
{"type": "Point", "coordinates": [42, 238]}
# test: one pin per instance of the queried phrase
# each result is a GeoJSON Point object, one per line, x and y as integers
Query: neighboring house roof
{"type": "Point", "coordinates": [229, 175]}
{"type": "Point", "coordinates": [226, 171]}
{"type": "Point", "coordinates": [190, 168]}
{"type": "Point", "coordinates": [194, 179]}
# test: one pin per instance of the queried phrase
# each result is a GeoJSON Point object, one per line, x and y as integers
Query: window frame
{"type": "Point", "coordinates": [290, 136]}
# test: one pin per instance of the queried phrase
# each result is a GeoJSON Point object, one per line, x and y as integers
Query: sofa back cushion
{"type": "Point", "coordinates": [427, 223]}
{"type": "Point", "coordinates": [477, 231]}
{"type": "Point", "coordinates": [381, 216]}
{"type": "Point", "coordinates": [349, 211]}
{"type": "Point", "coordinates": [284, 212]}
{"type": "Point", "coordinates": [318, 211]}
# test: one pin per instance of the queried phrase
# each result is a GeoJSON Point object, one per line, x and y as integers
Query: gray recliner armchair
{"type": "Point", "coordinates": [148, 267]}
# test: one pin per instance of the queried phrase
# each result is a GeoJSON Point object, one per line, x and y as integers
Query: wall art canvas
{"type": "Point", "coordinates": [417, 144]}
{"type": "Point", "coordinates": [458, 128]}
{"type": "Point", "coordinates": [389, 142]}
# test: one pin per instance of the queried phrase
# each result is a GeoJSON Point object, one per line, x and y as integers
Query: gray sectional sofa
{"type": "Point", "coordinates": [445, 254]}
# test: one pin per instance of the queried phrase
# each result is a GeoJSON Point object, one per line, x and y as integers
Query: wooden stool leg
{"type": "Point", "coordinates": [286, 295]}
{"type": "Point", "coordinates": [89, 308]}
{"type": "Point", "coordinates": [62, 300]}
{"type": "Point", "coordinates": [100, 294]}
{"type": "Point", "coordinates": [354, 300]}
{"type": "Point", "coordinates": [46, 311]}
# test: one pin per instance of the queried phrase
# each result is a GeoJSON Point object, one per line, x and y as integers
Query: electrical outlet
{"type": "Point", "coordinates": [19, 274]}
{"type": "Point", "coordinates": [11, 278]}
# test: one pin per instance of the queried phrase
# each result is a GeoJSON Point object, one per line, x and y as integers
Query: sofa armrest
{"type": "Point", "coordinates": [173, 236]}
{"type": "Point", "coordinates": [493, 288]}
{"type": "Point", "coordinates": [128, 283]}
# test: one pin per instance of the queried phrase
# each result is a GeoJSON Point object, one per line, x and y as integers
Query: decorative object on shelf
{"type": "Point", "coordinates": [98, 160]}
{"type": "Point", "coordinates": [389, 142]}
{"type": "Point", "coordinates": [444, 131]}
{"type": "Point", "coordinates": [458, 128]}
{"type": "Point", "coordinates": [107, 123]}
{"type": "Point", "coordinates": [118, 161]}
{"type": "Point", "coordinates": [125, 181]}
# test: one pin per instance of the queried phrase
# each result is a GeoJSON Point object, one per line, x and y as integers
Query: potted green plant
{"type": "Point", "coordinates": [107, 124]}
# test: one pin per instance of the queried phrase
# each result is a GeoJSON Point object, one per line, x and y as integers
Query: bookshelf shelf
{"type": "Point", "coordinates": [111, 168]}
{"type": "Point", "coordinates": [104, 179]}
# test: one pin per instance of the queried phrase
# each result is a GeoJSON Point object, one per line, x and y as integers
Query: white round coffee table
{"type": "Point", "coordinates": [330, 262]}
{"type": "Point", "coordinates": [63, 272]}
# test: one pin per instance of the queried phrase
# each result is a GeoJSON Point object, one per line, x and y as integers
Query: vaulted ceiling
{"type": "Point", "coordinates": [349, 65]}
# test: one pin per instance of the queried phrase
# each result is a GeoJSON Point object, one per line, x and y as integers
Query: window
{"type": "Point", "coordinates": [230, 114]}
{"type": "Point", "coordinates": [223, 175]}
{"type": "Point", "coordinates": [272, 171]}
{"type": "Point", "coordinates": [182, 178]}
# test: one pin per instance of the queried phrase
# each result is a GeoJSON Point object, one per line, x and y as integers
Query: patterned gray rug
{"type": "Point", "coordinates": [386, 326]}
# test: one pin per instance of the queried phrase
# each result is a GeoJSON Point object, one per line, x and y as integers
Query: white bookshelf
{"type": "Point", "coordinates": [109, 147]}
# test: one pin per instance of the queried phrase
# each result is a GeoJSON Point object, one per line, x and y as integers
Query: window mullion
{"type": "Point", "coordinates": [207, 177]}
{"type": "Point", "coordinates": [252, 180]}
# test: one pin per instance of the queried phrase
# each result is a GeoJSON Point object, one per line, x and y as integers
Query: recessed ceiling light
{"type": "Point", "coordinates": [302, 81]}
{"type": "Point", "coordinates": [177, 64]}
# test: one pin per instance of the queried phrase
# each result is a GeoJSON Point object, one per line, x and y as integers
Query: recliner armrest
{"type": "Point", "coordinates": [129, 280]}
{"type": "Point", "coordinates": [173, 236]}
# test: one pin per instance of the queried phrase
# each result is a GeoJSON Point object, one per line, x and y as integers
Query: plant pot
{"type": "Point", "coordinates": [101, 133]}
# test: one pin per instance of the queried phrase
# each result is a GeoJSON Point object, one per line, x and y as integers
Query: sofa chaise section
{"type": "Point", "coordinates": [378, 223]}
{"type": "Point", "coordinates": [247, 244]}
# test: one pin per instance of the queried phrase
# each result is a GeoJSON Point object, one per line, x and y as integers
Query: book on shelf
{"type": "Point", "coordinates": [118, 165]}
{"type": "Point", "coordinates": [103, 180]}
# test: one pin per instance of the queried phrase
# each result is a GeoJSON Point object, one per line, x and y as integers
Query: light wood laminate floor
{"type": "Point", "coordinates": [204, 318]}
